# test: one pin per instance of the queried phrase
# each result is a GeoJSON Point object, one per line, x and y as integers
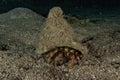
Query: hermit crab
{"type": "Point", "coordinates": [63, 54]}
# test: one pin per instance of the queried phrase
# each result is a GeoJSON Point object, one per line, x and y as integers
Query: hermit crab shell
{"type": "Point", "coordinates": [58, 32]}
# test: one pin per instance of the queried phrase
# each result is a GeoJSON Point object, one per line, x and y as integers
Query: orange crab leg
{"type": "Point", "coordinates": [58, 58]}
{"type": "Point", "coordinates": [50, 55]}
{"type": "Point", "coordinates": [71, 61]}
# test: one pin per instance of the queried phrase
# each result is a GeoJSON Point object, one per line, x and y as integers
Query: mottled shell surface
{"type": "Point", "coordinates": [58, 32]}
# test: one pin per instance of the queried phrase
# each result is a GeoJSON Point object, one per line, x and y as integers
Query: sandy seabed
{"type": "Point", "coordinates": [19, 39]}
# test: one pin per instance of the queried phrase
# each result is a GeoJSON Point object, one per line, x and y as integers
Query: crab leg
{"type": "Point", "coordinates": [71, 61]}
{"type": "Point", "coordinates": [58, 58]}
{"type": "Point", "coordinates": [50, 55]}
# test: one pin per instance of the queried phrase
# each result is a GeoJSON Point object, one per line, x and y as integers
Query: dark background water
{"type": "Point", "coordinates": [43, 6]}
